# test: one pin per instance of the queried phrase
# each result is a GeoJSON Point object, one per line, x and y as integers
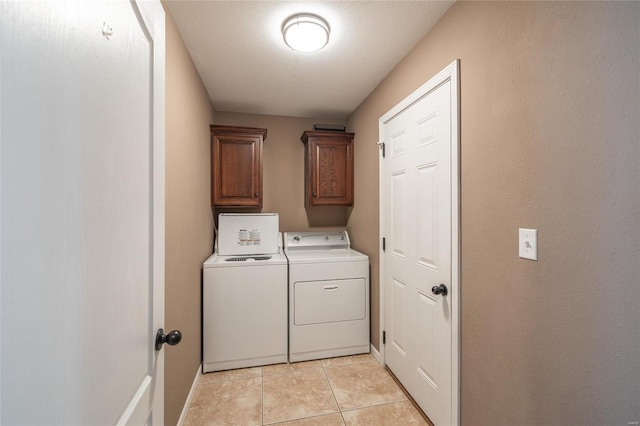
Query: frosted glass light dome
{"type": "Point", "coordinates": [305, 32]}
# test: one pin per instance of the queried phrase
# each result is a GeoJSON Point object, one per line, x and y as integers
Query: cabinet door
{"type": "Point", "coordinates": [330, 171]}
{"type": "Point", "coordinates": [237, 170]}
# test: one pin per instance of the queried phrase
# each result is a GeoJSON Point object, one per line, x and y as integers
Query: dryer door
{"type": "Point", "coordinates": [326, 301]}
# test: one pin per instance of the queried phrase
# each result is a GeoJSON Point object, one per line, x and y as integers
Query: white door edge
{"type": "Point", "coordinates": [153, 16]}
{"type": "Point", "coordinates": [0, 229]}
{"type": "Point", "coordinates": [449, 73]}
{"type": "Point", "coordinates": [382, 270]}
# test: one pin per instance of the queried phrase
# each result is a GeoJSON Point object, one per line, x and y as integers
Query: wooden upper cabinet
{"type": "Point", "coordinates": [328, 168]}
{"type": "Point", "coordinates": [236, 166]}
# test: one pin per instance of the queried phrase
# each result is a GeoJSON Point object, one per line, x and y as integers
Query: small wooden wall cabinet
{"type": "Point", "coordinates": [236, 166]}
{"type": "Point", "coordinates": [328, 168]}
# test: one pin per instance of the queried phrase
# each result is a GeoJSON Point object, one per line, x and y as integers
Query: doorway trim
{"type": "Point", "coordinates": [449, 73]}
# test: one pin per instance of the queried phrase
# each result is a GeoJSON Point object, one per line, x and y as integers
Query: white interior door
{"type": "Point", "coordinates": [82, 212]}
{"type": "Point", "coordinates": [418, 191]}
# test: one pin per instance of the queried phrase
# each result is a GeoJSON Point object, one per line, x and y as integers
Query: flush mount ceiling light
{"type": "Point", "coordinates": [305, 32]}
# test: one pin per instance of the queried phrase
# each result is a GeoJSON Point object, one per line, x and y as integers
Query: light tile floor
{"type": "Point", "coordinates": [352, 390]}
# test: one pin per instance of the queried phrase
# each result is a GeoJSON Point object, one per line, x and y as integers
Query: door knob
{"type": "Point", "coordinates": [439, 289]}
{"type": "Point", "coordinates": [257, 193]}
{"type": "Point", "coordinates": [172, 338]}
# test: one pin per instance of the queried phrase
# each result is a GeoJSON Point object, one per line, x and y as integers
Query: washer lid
{"type": "Point", "coordinates": [231, 261]}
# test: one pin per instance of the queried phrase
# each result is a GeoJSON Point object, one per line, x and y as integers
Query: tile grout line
{"type": "Point", "coordinates": [408, 396]}
{"type": "Point", "coordinates": [261, 373]}
{"type": "Point", "coordinates": [293, 371]}
{"type": "Point", "coordinates": [312, 416]}
{"type": "Point", "coordinates": [405, 398]}
{"type": "Point", "coordinates": [377, 405]}
{"type": "Point", "coordinates": [334, 394]}
{"type": "Point", "coordinates": [214, 382]}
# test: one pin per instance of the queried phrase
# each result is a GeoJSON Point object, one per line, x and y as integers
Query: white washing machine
{"type": "Point", "coordinates": [244, 295]}
{"type": "Point", "coordinates": [328, 296]}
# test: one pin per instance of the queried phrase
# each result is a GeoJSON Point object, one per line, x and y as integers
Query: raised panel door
{"type": "Point", "coordinates": [418, 186]}
{"type": "Point", "coordinates": [236, 166]}
{"type": "Point", "coordinates": [329, 168]}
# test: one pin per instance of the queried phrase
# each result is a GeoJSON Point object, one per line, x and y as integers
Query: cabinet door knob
{"type": "Point", "coordinates": [314, 194]}
{"type": "Point", "coordinates": [257, 193]}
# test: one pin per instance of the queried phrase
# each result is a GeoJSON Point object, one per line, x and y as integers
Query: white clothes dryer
{"type": "Point", "coordinates": [244, 295]}
{"type": "Point", "coordinates": [328, 296]}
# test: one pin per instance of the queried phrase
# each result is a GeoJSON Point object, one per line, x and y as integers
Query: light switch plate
{"type": "Point", "coordinates": [528, 246]}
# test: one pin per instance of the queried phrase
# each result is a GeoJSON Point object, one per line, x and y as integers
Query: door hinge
{"type": "Point", "coordinates": [384, 244]}
{"type": "Point", "coordinates": [381, 145]}
{"type": "Point", "coordinates": [384, 337]}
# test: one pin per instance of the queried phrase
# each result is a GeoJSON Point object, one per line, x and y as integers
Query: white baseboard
{"type": "Point", "coordinates": [192, 392]}
{"type": "Point", "coordinates": [377, 355]}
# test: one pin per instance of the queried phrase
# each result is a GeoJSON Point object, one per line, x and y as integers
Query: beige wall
{"type": "Point", "coordinates": [550, 113]}
{"type": "Point", "coordinates": [283, 171]}
{"type": "Point", "coordinates": [189, 230]}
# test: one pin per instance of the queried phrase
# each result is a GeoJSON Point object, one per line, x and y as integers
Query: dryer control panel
{"type": "Point", "coordinates": [316, 240]}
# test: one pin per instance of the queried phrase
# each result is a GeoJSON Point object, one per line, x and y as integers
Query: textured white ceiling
{"type": "Point", "coordinates": [238, 50]}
